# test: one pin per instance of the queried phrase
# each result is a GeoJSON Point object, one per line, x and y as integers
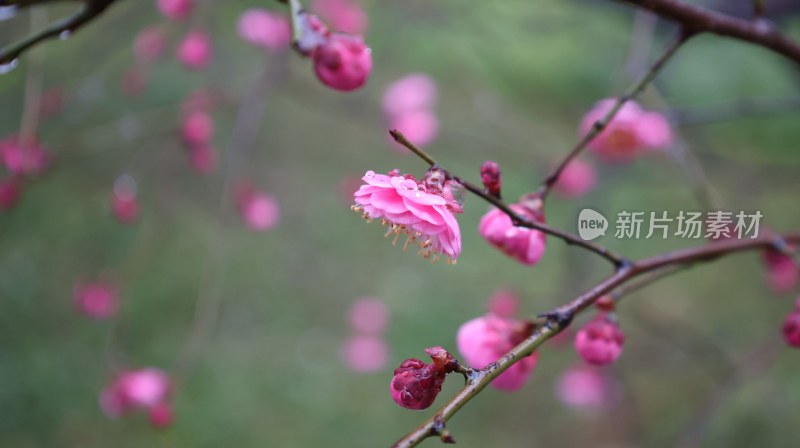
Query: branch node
{"type": "Point", "coordinates": [439, 429]}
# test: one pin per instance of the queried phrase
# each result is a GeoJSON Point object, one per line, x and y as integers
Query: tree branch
{"type": "Point", "coordinates": [90, 10]}
{"type": "Point", "coordinates": [516, 219]}
{"type": "Point", "coordinates": [559, 318]}
{"type": "Point", "coordinates": [701, 20]}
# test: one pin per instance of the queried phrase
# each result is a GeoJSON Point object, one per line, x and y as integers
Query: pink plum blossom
{"type": "Point", "coordinates": [630, 132]}
{"type": "Point", "coordinates": [782, 271]}
{"type": "Point", "coordinates": [600, 341]}
{"type": "Point", "coordinates": [577, 178]}
{"type": "Point", "coordinates": [175, 9]}
{"type": "Point", "coordinates": [415, 384]}
{"type": "Point", "coordinates": [259, 211]}
{"type": "Point", "coordinates": [131, 390]}
{"type": "Point", "coordinates": [365, 353]}
{"type": "Point", "coordinates": [24, 159]}
{"type": "Point", "coordinates": [194, 51]}
{"type": "Point", "coordinates": [368, 316]}
{"type": "Point", "coordinates": [10, 193]}
{"type": "Point", "coordinates": [342, 62]}
{"type": "Point", "coordinates": [583, 387]}
{"type": "Point", "coordinates": [523, 244]}
{"type": "Point", "coordinates": [410, 93]}
{"type": "Point", "coordinates": [263, 28]}
{"type": "Point", "coordinates": [420, 211]}
{"type": "Point", "coordinates": [197, 128]}
{"type": "Point", "coordinates": [486, 339]}
{"type": "Point", "coordinates": [420, 127]}
{"type": "Point", "coordinates": [97, 300]}
{"type": "Point", "coordinates": [149, 44]}
{"type": "Point", "coordinates": [345, 16]}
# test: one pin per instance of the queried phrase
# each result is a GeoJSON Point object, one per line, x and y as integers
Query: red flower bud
{"type": "Point", "coordinates": [415, 384]}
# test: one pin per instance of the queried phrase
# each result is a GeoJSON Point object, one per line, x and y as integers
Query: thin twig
{"type": "Point", "coordinates": [516, 219]}
{"type": "Point", "coordinates": [559, 318]}
{"type": "Point", "coordinates": [600, 125]}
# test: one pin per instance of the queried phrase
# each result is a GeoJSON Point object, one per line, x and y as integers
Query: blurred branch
{"type": "Point", "coordinates": [601, 124]}
{"type": "Point", "coordinates": [560, 318]}
{"type": "Point", "coordinates": [90, 10]}
{"type": "Point", "coordinates": [701, 20]}
{"type": "Point", "coordinates": [33, 88]}
{"type": "Point", "coordinates": [733, 110]}
{"type": "Point", "coordinates": [516, 219]}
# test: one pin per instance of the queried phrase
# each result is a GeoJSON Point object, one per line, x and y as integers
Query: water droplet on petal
{"type": "Point", "coordinates": [5, 68]}
{"type": "Point", "coordinates": [7, 12]}
{"type": "Point", "coordinates": [419, 195]}
{"type": "Point", "coordinates": [65, 35]}
{"type": "Point", "coordinates": [370, 174]}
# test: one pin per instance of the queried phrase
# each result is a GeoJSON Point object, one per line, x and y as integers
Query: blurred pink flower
{"type": "Point", "coordinates": [782, 271]}
{"type": "Point", "coordinates": [194, 51]}
{"type": "Point", "coordinates": [10, 193]}
{"type": "Point", "coordinates": [582, 387]}
{"type": "Point", "coordinates": [342, 62]}
{"type": "Point", "coordinates": [132, 390]}
{"type": "Point", "coordinates": [365, 353]}
{"type": "Point", "coordinates": [346, 16]}
{"type": "Point", "coordinates": [631, 131]}
{"type": "Point", "coordinates": [97, 300]}
{"type": "Point", "coordinates": [30, 159]}
{"type": "Point", "coordinates": [175, 9]}
{"type": "Point", "coordinates": [600, 341]}
{"type": "Point", "coordinates": [149, 44]}
{"type": "Point", "coordinates": [410, 93]}
{"type": "Point", "coordinates": [419, 127]}
{"type": "Point", "coordinates": [259, 211]}
{"type": "Point", "coordinates": [266, 29]}
{"type": "Point", "coordinates": [577, 178]}
{"type": "Point", "coordinates": [369, 316]}
{"type": "Point", "coordinates": [504, 303]}
{"type": "Point", "coordinates": [197, 128]}
{"type": "Point", "coordinates": [412, 209]}
{"type": "Point", "coordinates": [415, 384]}
{"type": "Point", "coordinates": [124, 205]}
{"type": "Point", "coordinates": [161, 415]}
{"type": "Point", "coordinates": [203, 158]}
{"type": "Point", "coordinates": [486, 339]}
{"type": "Point", "coordinates": [525, 245]}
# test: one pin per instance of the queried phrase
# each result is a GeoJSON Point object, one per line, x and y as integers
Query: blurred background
{"type": "Point", "coordinates": [251, 325]}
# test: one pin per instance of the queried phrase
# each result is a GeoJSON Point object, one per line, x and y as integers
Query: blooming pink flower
{"type": "Point", "coordinates": [96, 300]}
{"type": "Point", "coordinates": [260, 211]}
{"type": "Point", "coordinates": [28, 159]}
{"type": "Point", "coordinates": [343, 62]}
{"type": "Point", "coordinates": [365, 353]}
{"type": "Point", "coordinates": [346, 16]}
{"type": "Point", "coordinates": [130, 390]}
{"type": "Point", "coordinates": [577, 179]}
{"type": "Point", "coordinates": [263, 28]}
{"type": "Point", "coordinates": [194, 51]}
{"type": "Point", "coordinates": [175, 9]}
{"type": "Point", "coordinates": [525, 245]}
{"type": "Point", "coordinates": [149, 44]}
{"type": "Point", "coordinates": [600, 341]}
{"type": "Point", "coordinates": [415, 384]}
{"type": "Point", "coordinates": [419, 210]}
{"type": "Point", "coordinates": [160, 415]}
{"type": "Point", "coordinates": [420, 127]}
{"type": "Point", "coordinates": [410, 93]}
{"type": "Point", "coordinates": [197, 128]}
{"type": "Point", "coordinates": [782, 271]}
{"type": "Point", "coordinates": [486, 339]}
{"type": "Point", "coordinates": [369, 316]}
{"type": "Point", "coordinates": [10, 192]}
{"type": "Point", "coordinates": [631, 131]}
{"type": "Point", "coordinates": [203, 158]}
{"type": "Point", "coordinates": [582, 387]}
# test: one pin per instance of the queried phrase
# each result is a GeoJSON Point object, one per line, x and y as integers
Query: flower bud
{"type": "Point", "coordinates": [415, 384]}
{"type": "Point", "coordinates": [491, 177]}
{"type": "Point", "coordinates": [343, 62]}
{"type": "Point", "coordinates": [600, 341]}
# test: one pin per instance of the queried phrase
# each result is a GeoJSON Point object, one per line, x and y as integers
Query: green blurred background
{"type": "Point", "coordinates": [515, 77]}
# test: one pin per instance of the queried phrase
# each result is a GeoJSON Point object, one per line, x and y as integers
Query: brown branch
{"type": "Point", "coordinates": [516, 219]}
{"type": "Point", "coordinates": [90, 10]}
{"type": "Point", "coordinates": [602, 123]}
{"type": "Point", "coordinates": [559, 318]}
{"type": "Point", "coordinates": [701, 20]}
